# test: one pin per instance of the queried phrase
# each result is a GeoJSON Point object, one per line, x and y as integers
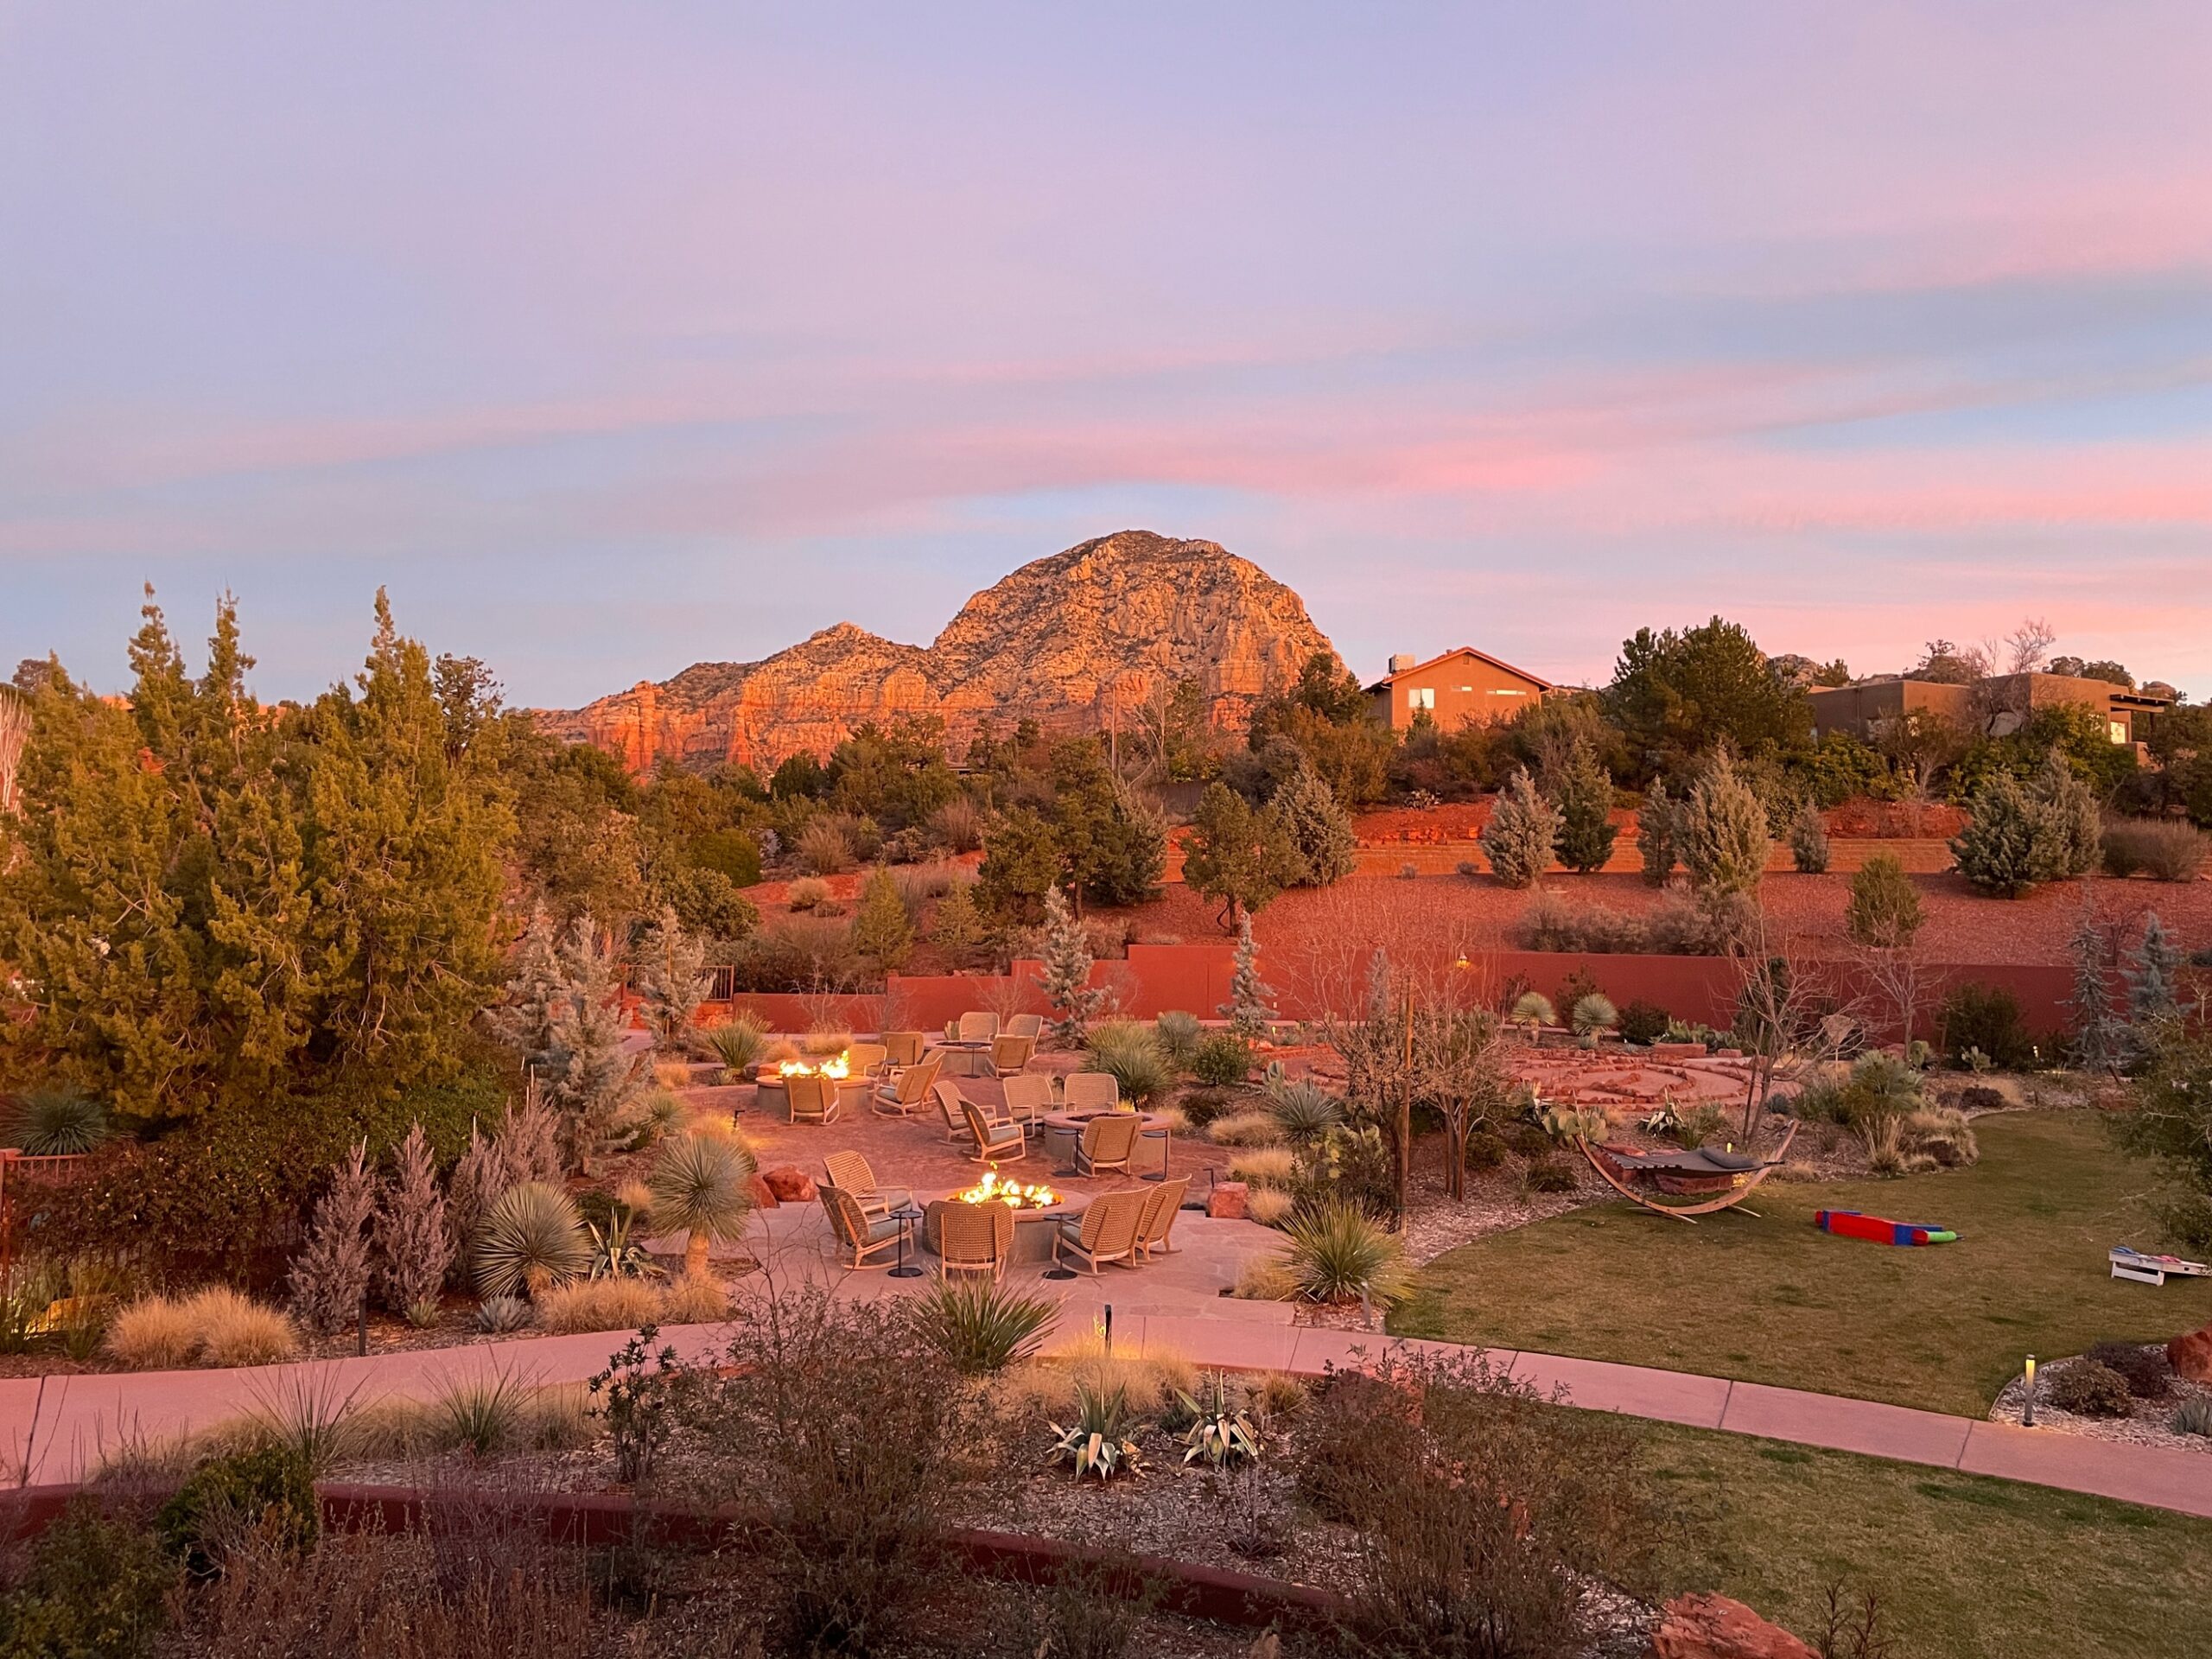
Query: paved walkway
{"type": "Point", "coordinates": [56, 1429]}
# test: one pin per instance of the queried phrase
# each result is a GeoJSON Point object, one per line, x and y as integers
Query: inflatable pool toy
{"type": "Point", "coordinates": [1849, 1223]}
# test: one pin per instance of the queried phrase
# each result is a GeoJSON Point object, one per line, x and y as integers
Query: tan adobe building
{"type": "Point", "coordinates": [1460, 688]}
{"type": "Point", "coordinates": [2008, 698]}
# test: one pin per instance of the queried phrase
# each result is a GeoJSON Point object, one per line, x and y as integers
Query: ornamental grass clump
{"type": "Point", "coordinates": [598, 1305]}
{"type": "Point", "coordinates": [530, 1239]}
{"type": "Point", "coordinates": [737, 1043]}
{"type": "Point", "coordinates": [1336, 1254]}
{"type": "Point", "coordinates": [1130, 1054]}
{"type": "Point", "coordinates": [1269, 1166]}
{"type": "Point", "coordinates": [1245, 1128]}
{"type": "Point", "coordinates": [980, 1326]}
{"type": "Point", "coordinates": [2163, 849]}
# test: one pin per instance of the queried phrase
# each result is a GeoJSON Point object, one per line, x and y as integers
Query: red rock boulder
{"type": "Point", "coordinates": [791, 1184]}
{"type": "Point", "coordinates": [1226, 1201]}
{"type": "Point", "coordinates": [2192, 1355]}
{"type": "Point", "coordinates": [763, 1196]}
{"type": "Point", "coordinates": [1713, 1627]}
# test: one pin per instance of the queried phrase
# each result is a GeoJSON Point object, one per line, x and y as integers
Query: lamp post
{"type": "Point", "coordinates": [2028, 1400]}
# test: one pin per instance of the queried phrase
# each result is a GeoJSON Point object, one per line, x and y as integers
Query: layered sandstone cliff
{"type": "Point", "coordinates": [1073, 641]}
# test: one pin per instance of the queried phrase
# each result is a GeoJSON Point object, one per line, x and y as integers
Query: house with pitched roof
{"type": "Point", "coordinates": [1461, 687]}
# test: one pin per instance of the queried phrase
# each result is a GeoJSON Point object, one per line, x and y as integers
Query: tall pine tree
{"type": "Point", "coordinates": [1319, 827]}
{"type": "Point", "coordinates": [1583, 792]}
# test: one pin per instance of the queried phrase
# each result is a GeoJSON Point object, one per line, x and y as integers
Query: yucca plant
{"type": "Point", "coordinates": [1132, 1056]}
{"type": "Point", "coordinates": [528, 1239]}
{"type": "Point", "coordinates": [50, 1123]}
{"type": "Point", "coordinates": [1534, 1009]}
{"type": "Point", "coordinates": [617, 1253]}
{"type": "Point", "coordinates": [738, 1043]}
{"type": "Point", "coordinates": [981, 1326]}
{"type": "Point", "coordinates": [1101, 1440]}
{"type": "Point", "coordinates": [1218, 1436]}
{"type": "Point", "coordinates": [1594, 1014]}
{"type": "Point", "coordinates": [700, 1189]}
{"type": "Point", "coordinates": [1307, 1111]}
{"type": "Point", "coordinates": [1336, 1254]}
{"type": "Point", "coordinates": [1178, 1033]}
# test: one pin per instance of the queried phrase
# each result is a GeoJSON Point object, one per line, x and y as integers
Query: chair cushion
{"type": "Point", "coordinates": [883, 1228]}
{"type": "Point", "coordinates": [1071, 1229]}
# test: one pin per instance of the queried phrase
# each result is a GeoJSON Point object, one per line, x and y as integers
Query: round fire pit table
{"type": "Point", "coordinates": [1064, 1133]}
{"type": "Point", "coordinates": [1032, 1231]}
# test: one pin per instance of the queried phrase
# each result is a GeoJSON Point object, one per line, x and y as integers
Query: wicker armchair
{"type": "Point", "coordinates": [1090, 1091]}
{"type": "Point", "coordinates": [814, 1097]}
{"type": "Point", "coordinates": [1107, 1142]}
{"type": "Point", "coordinates": [855, 1229]}
{"type": "Point", "coordinates": [1162, 1204]}
{"type": "Point", "coordinates": [976, 1238]}
{"type": "Point", "coordinates": [1028, 1096]}
{"type": "Point", "coordinates": [998, 1141]}
{"type": "Point", "coordinates": [849, 1172]}
{"type": "Point", "coordinates": [908, 1090]}
{"type": "Point", "coordinates": [1105, 1231]}
{"type": "Point", "coordinates": [1009, 1054]}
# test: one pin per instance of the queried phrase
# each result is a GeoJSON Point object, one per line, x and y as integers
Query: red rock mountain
{"type": "Point", "coordinates": [1059, 640]}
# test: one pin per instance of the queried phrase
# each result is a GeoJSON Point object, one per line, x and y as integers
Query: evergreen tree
{"type": "Point", "coordinates": [1654, 834]}
{"type": "Point", "coordinates": [1583, 796]}
{"type": "Point", "coordinates": [414, 1246]}
{"type": "Point", "coordinates": [667, 972]}
{"type": "Point", "coordinates": [2010, 844]}
{"type": "Point", "coordinates": [537, 992]}
{"type": "Point", "coordinates": [2100, 1036]}
{"type": "Point", "coordinates": [1522, 832]}
{"type": "Point", "coordinates": [2070, 810]}
{"type": "Point", "coordinates": [1066, 975]}
{"type": "Point", "coordinates": [1022, 865]}
{"type": "Point", "coordinates": [957, 927]}
{"type": "Point", "coordinates": [2152, 973]}
{"type": "Point", "coordinates": [330, 1275]}
{"type": "Point", "coordinates": [1319, 827]}
{"type": "Point", "coordinates": [1249, 1009]}
{"type": "Point", "coordinates": [882, 932]}
{"type": "Point", "coordinates": [1723, 841]}
{"type": "Point", "coordinates": [1883, 912]}
{"type": "Point", "coordinates": [1808, 839]}
{"type": "Point", "coordinates": [1111, 842]}
{"type": "Point", "coordinates": [593, 1078]}
{"type": "Point", "coordinates": [1236, 856]}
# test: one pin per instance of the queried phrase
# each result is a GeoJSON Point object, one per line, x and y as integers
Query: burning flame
{"type": "Point", "coordinates": [838, 1069]}
{"type": "Point", "coordinates": [1015, 1194]}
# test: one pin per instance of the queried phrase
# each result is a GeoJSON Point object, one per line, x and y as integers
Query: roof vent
{"type": "Point", "coordinates": [1402, 661]}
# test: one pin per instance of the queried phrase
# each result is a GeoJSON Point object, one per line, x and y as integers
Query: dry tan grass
{"type": "Point", "coordinates": [1269, 1205]}
{"type": "Point", "coordinates": [1264, 1167]}
{"type": "Point", "coordinates": [1267, 1279]}
{"type": "Point", "coordinates": [637, 1198]}
{"type": "Point", "coordinates": [672, 1074]}
{"type": "Point", "coordinates": [599, 1305]}
{"type": "Point", "coordinates": [826, 1041]}
{"type": "Point", "coordinates": [694, 1301]}
{"type": "Point", "coordinates": [235, 1330]}
{"type": "Point", "coordinates": [1245, 1130]}
{"type": "Point", "coordinates": [1174, 1117]}
{"type": "Point", "coordinates": [152, 1334]}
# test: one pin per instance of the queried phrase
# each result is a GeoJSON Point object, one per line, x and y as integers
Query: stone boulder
{"type": "Point", "coordinates": [763, 1196]}
{"type": "Point", "coordinates": [1226, 1201]}
{"type": "Point", "coordinates": [790, 1183]}
{"type": "Point", "coordinates": [2192, 1355]}
{"type": "Point", "coordinates": [1702, 1626]}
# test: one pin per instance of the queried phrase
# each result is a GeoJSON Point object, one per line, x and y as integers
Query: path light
{"type": "Point", "coordinates": [2028, 1405]}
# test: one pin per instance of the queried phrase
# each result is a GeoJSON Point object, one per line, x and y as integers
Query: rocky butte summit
{"type": "Point", "coordinates": [1069, 641]}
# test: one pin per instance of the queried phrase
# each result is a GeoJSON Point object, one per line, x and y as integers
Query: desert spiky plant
{"type": "Point", "coordinates": [50, 1122]}
{"type": "Point", "coordinates": [737, 1043]}
{"type": "Point", "coordinates": [980, 1326]}
{"type": "Point", "coordinates": [1178, 1037]}
{"type": "Point", "coordinates": [1336, 1254]}
{"type": "Point", "coordinates": [1132, 1056]}
{"type": "Point", "coordinates": [1593, 1013]}
{"type": "Point", "coordinates": [529, 1239]}
{"type": "Point", "coordinates": [699, 1188]}
{"type": "Point", "coordinates": [1305, 1110]}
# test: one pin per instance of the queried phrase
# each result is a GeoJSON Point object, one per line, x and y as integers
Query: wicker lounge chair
{"type": "Point", "coordinates": [1011, 1054]}
{"type": "Point", "coordinates": [865, 1059]}
{"type": "Point", "coordinates": [974, 1238]}
{"type": "Point", "coordinates": [1107, 1143]}
{"type": "Point", "coordinates": [814, 1097]}
{"type": "Point", "coordinates": [1717, 1180]}
{"type": "Point", "coordinates": [1105, 1231]}
{"type": "Point", "coordinates": [855, 1229]}
{"type": "Point", "coordinates": [1090, 1091]}
{"type": "Point", "coordinates": [951, 1103]}
{"type": "Point", "coordinates": [1028, 1096]}
{"type": "Point", "coordinates": [908, 1090]}
{"type": "Point", "coordinates": [849, 1172]}
{"type": "Point", "coordinates": [998, 1141]}
{"type": "Point", "coordinates": [905, 1047]}
{"type": "Point", "coordinates": [1161, 1206]}
{"type": "Point", "coordinates": [975, 1028]}
{"type": "Point", "coordinates": [1031, 1025]}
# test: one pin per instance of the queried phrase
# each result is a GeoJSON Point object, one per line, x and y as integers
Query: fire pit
{"type": "Point", "coordinates": [1034, 1207]}
{"type": "Point", "coordinates": [1015, 1195]}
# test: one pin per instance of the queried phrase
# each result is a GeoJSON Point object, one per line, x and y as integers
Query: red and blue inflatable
{"type": "Point", "coordinates": [1850, 1223]}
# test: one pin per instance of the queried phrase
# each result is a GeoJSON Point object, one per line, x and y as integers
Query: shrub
{"type": "Point", "coordinates": [531, 1238]}
{"type": "Point", "coordinates": [94, 1587]}
{"type": "Point", "coordinates": [1132, 1056]}
{"type": "Point", "coordinates": [1088, 1612]}
{"type": "Point", "coordinates": [1809, 841]}
{"type": "Point", "coordinates": [980, 1326]}
{"type": "Point", "coordinates": [1986, 1017]}
{"type": "Point", "coordinates": [1644, 1022]}
{"type": "Point", "coordinates": [1245, 1128]}
{"type": "Point", "coordinates": [2011, 842]}
{"type": "Point", "coordinates": [414, 1244]}
{"type": "Point", "coordinates": [1551, 923]}
{"type": "Point", "coordinates": [1548, 1175]}
{"type": "Point", "coordinates": [883, 933]}
{"type": "Point", "coordinates": [808, 893]}
{"type": "Point", "coordinates": [1720, 831]}
{"type": "Point", "coordinates": [693, 1301]}
{"type": "Point", "coordinates": [1264, 1167]}
{"type": "Point", "coordinates": [1337, 1253]}
{"type": "Point", "coordinates": [958, 826]}
{"type": "Point", "coordinates": [1485, 1152]}
{"type": "Point", "coordinates": [1594, 1012]}
{"type": "Point", "coordinates": [2166, 849]}
{"type": "Point", "coordinates": [598, 1305]}
{"type": "Point", "coordinates": [234, 1330]}
{"type": "Point", "coordinates": [1269, 1205]}
{"type": "Point", "coordinates": [2194, 1417]}
{"type": "Point", "coordinates": [1884, 910]}
{"type": "Point", "coordinates": [1201, 1106]}
{"type": "Point", "coordinates": [1880, 1086]}
{"type": "Point", "coordinates": [2142, 1366]}
{"type": "Point", "coordinates": [330, 1275]}
{"type": "Point", "coordinates": [824, 848]}
{"type": "Point", "coordinates": [482, 1416]}
{"type": "Point", "coordinates": [1528, 1140]}
{"type": "Point", "coordinates": [1583, 790]}
{"type": "Point", "coordinates": [54, 1122]}
{"type": "Point", "coordinates": [1943, 1133]}
{"type": "Point", "coordinates": [1178, 1034]}
{"type": "Point", "coordinates": [264, 1494]}
{"type": "Point", "coordinates": [1223, 1061]}
{"type": "Point", "coordinates": [1304, 1110]}
{"type": "Point", "coordinates": [1521, 833]}
{"type": "Point", "coordinates": [2088, 1389]}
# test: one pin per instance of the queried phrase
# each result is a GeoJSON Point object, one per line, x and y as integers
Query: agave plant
{"type": "Point", "coordinates": [500, 1316]}
{"type": "Point", "coordinates": [738, 1043]}
{"type": "Point", "coordinates": [1132, 1056]}
{"type": "Point", "coordinates": [1218, 1436]}
{"type": "Point", "coordinates": [1305, 1110]}
{"type": "Point", "coordinates": [531, 1237]}
{"type": "Point", "coordinates": [616, 1253]}
{"type": "Point", "coordinates": [1101, 1440]}
{"type": "Point", "coordinates": [1338, 1254]}
{"type": "Point", "coordinates": [48, 1123]}
{"type": "Point", "coordinates": [700, 1188]}
{"type": "Point", "coordinates": [981, 1326]}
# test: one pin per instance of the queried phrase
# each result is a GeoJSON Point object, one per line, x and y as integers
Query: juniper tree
{"type": "Point", "coordinates": [2009, 843]}
{"type": "Point", "coordinates": [329, 1278]}
{"type": "Point", "coordinates": [1808, 839]}
{"type": "Point", "coordinates": [1654, 834]}
{"type": "Point", "coordinates": [1522, 830]}
{"type": "Point", "coordinates": [1249, 1009]}
{"type": "Point", "coordinates": [666, 971]}
{"type": "Point", "coordinates": [1583, 796]}
{"type": "Point", "coordinates": [956, 928]}
{"type": "Point", "coordinates": [2101, 1035]}
{"type": "Point", "coordinates": [2070, 813]}
{"type": "Point", "coordinates": [1236, 856]}
{"type": "Point", "coordinates": [1066, 971]}
{"type": "Point", "coordinates": [1319, 827]}
{"type": "Point", "coordinates": [881, 931]}
{"type": "Point", "coordinates": [536, 991]}
{"type": "Point", "coordinates": [1722, 834]}
{"type": "Point", "coordinates": [2152, 973]}
{"type": "Point", "coordinates": [413, 1245]}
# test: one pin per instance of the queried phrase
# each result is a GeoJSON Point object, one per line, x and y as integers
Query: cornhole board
{"type": "Point", "coordinates": [2153, 1269]}
{"type": "Point", "coordinates": [1850, 1223]}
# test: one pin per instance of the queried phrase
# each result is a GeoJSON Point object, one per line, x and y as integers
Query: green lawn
{"type": "Point", "coordinates": [1964, 1568]}
{"type": "Point", "coordinates": [1774, 1299]}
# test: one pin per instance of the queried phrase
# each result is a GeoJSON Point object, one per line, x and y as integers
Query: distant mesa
{"type": "Point", "coordinates": [1063, 640]}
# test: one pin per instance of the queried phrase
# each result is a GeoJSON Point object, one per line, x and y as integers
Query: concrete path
{"type": "Point", "coordinates": [57, 1429]}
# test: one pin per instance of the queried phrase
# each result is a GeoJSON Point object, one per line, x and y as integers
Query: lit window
{"type": "Point", "coordinates": [1421, 697]}
{"type": "Point", "coordinates": [2117, 729]}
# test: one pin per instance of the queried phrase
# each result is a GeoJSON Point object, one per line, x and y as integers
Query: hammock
{"type": "Point", "coordinates": [1721, 1181]}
